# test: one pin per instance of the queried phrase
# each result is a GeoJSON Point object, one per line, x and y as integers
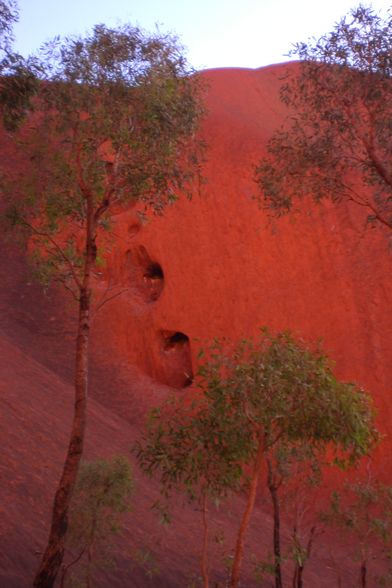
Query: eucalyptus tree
{"type": "Point", "coordinates": [362, 511]}
{"type": "Point", "coordinates": [194, 450]}
{"type": "Point", "coordinates": [102, 497]}
{"type": "Point", "coordinates": [277, 391]}
{"type": "Point", "coordinates": [266, 396]}
{"type": "Point", "coordinates": [113, 123]}
{"type": "Point", "coordinates": [336, 141]}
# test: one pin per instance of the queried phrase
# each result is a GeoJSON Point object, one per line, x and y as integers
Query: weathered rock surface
{"type": "Point", "coordinates": [223, 269]}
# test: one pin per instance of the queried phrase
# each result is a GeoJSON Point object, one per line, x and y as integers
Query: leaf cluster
{"type": "Point", "coordinates": [279, 386]}
{"type": "Point", "coordinates": [101, 496]}
{"type": "Point", "coordinates": [336, 140]}
{"type": "Point", "coordinates": [18, 80]}
{"type": "Point", "coordinates": [272, 387]}
{"type": "Point", "coordinates": [363, 509]}
{"type": "Point", "coordinates": [121, 94]}
{"type": "Point", "coordinates": [192, 448]}
{"type": "Point", "coordinates": [112, 122]}
{"type": "Point", "coordinates": [9, 15]}
{"type": "Point", "coordinates": [100, 499]}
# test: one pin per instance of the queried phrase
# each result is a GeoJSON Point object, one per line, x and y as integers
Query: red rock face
{"type": "Point", "coordinates": [215, 266]}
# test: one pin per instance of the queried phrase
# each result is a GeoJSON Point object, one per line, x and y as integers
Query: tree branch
{"type": "Point", "coordinates": [103, 302]}
{"type": "Point", "coordinates": [72, 563]}
{"type": "Point", "coordinates": [79, 168]}
{"type": "Point", "coordinates": [356, 198]}
{"type": "Point", "coordinates": [111, 186]}
{"type": "Point", "coordinates": [57, 247]}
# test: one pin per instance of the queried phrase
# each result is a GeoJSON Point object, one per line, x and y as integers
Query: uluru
{"type": "Point", "coordinates": [212, 266]}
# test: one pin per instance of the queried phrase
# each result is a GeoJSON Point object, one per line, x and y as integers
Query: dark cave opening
{"type": "Point", "coordinates": [145, 274]}
{"type": "Point", "coordinates": [177, 339]}
{"type": "Point", "coordinates": [154, 271]}
{"type": "Point", "coordinates": [177, 359]}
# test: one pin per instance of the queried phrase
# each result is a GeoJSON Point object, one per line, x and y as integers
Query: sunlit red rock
{"type": "Point", "coordinates": [217, 266]}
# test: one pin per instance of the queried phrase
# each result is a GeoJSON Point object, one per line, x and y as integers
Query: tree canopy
{"type": "Point", "coordinates": [336, 140]}
{"type": "Point", "coordinates": [18, 81]}
{"type": "Point", "coordinates": [102, 496]}
{"type": "Point", "coordinates": [8, 17]}
{"type": "Point", "coordinates": [363, 511]}
{"type": "Point", "coordinates": [114, 122]}
{"type": "Point", "coordinates": [268, 396]}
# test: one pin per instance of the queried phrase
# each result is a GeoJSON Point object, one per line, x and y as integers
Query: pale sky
{"type": "Point", "coordinates": [216, 33]}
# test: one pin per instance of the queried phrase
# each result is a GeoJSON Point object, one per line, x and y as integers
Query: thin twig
{"type": "Point", "coordinates": [72, 563]}
{"type": "Point", "coordinates": [101, 304]}
{"type": "Point", "coordinates": [57, 247]}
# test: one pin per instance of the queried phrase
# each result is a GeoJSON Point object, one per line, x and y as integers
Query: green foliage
{"type": "Point", "coordinates": [263, 570]}
{"type": "Point", "coordinates": [113, 122]}
{"type": "Point", "coordinates": [335, 142]}
{"type": "Point", "coordinates": [277, 385]}
{"type": "Point", "coordinates": [273, 393]}
{"type": "Point", "coordinates": [284, 403]}
{"type": "Point", "coordinates": [8, 17]}
{"type": "Point", "coordinates": [101, 497]}
{"type": "Point", "coordinates": [192, 449]}
{"type": "Point", "coordinates": [274, 385]}
{"type": "Point", "coordinates": [363, 511]}
{"type": "Point", "coordinates": [17, 75]}
{"type": "Point", "coordinates": [363, 508]}
{"type": "Point", "coordinates": [18, 86]}
{"type": "Point", "coordinates": [146, 560]}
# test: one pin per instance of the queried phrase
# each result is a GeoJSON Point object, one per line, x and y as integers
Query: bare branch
{"type": "Point", "coordinates": [65, 568]}
{"type": "Point", "coordinates": [101, 304]}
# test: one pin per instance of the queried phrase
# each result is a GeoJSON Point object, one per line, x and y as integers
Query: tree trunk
{"type": "Point", "coordinates": [275, 504]}
{"type": "Point", "coordinates": [54, 552]}
{"type": "Point", "coordinates": [363, 573]}
{"type": "Point", "coordinates": [89, 565]}
{"type": "Point", "coordinates": [300, 565]}
{"type": "Point", "coordinates": [235, 572]}
{"type": "Point", "coordinates": [295, 576]}
{"type": "Point", "coordinates": [298, 575]}
{"type": "Point", "coordinates": [64, 569]}
{"type": "Point", "coordinates": [204, 555]}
